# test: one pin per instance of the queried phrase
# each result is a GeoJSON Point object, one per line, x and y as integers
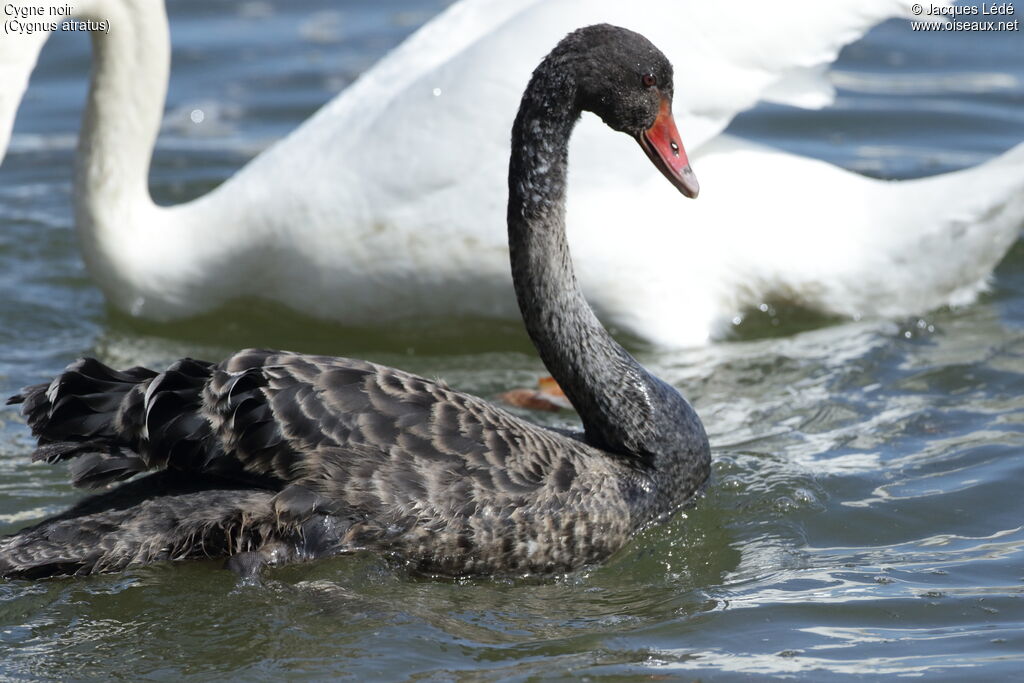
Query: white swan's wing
{"type": "Point", "coordinates": [727, 55]}
{"type": "Point", "coordinates": [412, 158]}
{"type": "Point", "coordinates": [421, 139]}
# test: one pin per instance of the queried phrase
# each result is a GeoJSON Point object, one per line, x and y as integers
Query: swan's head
{"type": "Point", "coordinates": [624, 79]}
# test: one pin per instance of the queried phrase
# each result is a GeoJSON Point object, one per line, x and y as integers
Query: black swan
{"type": "Point", "coordinates": [271, 456]}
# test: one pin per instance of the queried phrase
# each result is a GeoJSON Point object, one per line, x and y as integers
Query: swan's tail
{"type": "Point", "coordinates": [115, 424]}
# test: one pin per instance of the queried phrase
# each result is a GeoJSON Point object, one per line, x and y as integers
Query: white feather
{"type": "Point", "coordinates": [389, 202]}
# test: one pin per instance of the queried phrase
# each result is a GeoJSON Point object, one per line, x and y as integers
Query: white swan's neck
{"type": "Point", "coordinates": [119, 127]}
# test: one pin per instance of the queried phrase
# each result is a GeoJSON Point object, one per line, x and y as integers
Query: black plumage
{"type": "Point", "coordinates": [271, 456]}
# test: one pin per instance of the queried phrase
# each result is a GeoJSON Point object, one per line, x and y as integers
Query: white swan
{"type": "Point", "coordinates": [358, 214]}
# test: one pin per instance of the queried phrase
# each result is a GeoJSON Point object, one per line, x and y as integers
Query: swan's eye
{"type": "Point", "coordinates": [649, 80]}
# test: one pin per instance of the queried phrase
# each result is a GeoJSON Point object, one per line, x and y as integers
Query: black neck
{"type": "Point", "coordinates": [619, 402]}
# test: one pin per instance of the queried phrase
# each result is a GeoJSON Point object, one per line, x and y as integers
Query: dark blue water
{"type": "Point", "coordinates": [865, 516]}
